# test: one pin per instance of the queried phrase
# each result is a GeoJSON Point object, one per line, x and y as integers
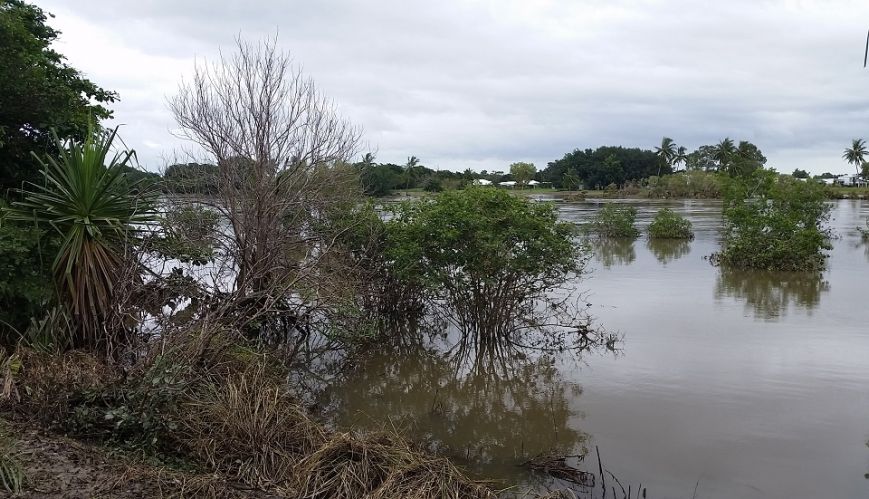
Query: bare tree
{"type": "Point", "coordinates": [281, 150]}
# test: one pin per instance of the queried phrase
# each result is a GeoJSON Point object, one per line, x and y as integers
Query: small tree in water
{"type": "Point", "coordinates": [492, 264]}
{"type": "Point", "coordinates": [774, 222]}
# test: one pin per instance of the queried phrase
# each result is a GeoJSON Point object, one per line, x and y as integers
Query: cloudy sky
{"type": "Point", "coordinates": [483, 83]}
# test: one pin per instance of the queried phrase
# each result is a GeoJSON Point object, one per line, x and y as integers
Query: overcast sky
{"type": "Point", "coordinates": [482, 84]}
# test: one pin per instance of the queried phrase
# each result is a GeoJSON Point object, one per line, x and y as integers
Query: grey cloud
{"type": "Point", "coordinates": [484, 83]}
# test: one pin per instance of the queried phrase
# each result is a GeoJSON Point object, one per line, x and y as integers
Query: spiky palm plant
{"type": "Point", "coordinates": [88, 200]}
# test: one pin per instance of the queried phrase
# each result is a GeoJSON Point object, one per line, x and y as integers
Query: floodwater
{"type": "Point", "coordinates": [727, 384]}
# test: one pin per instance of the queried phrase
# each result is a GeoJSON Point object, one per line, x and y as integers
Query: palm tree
{"type": "Point", "coordinates": [368, 160]}
{"type": "Point", "coordinates": [666, 152]}
{"type": "Point", "coordinates": [95, 209]}
{"type": "Point", "coordinates": [723, 153]}
{"type": "Point", "coordinates": [681, 157]}
{"type": "Point", "coordinates": [855, 154]}
{"type": "Point", "coordinates": [412, 162]}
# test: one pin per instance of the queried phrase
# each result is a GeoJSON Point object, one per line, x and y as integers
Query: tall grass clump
{"type": "Point", "coordinates": [774, 222]}
{"type": "Point", "coordinates": [11, 472]}
{"type": "Point", "coordinates": [613, 220]}
{"type": "Point", "coordinates": [87, 199]}
{"type": "Point", "coordinates": [670, 225]}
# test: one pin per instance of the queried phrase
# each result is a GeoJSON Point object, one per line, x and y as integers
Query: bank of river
{"type": "Point", "coordinates": [753, 384]}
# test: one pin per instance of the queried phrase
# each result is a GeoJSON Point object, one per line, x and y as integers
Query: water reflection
{"type": "Point", "coordinates": [613, 251]}
{"type": "Point", "coordinates": [668, 250]}
{"type": "Point", "coordinates": [489, 417]}
{"type": "Point", "coordinates": [769, 294]}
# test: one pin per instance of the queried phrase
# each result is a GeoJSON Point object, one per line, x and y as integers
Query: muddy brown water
{"type": "Point", "coordinates": [741, 384]}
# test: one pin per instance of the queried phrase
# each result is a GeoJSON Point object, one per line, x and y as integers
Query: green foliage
{"type": "Point", "coordinates": [800, 173]}
{"type": "Point", "coordinates": [485, 253]}
{"type": "Point", "coordinates": [670, 225]}
{"type": "Point", "coordinates": [136, 414]}
{"type": "Point", "coordinates": [25, 276]}
{"type": "Point", "coordinates": [522, 172]}
{"type": "Point", "coordinates": [94, 209]}
{"type": "Point", "coordinates": [571, 180]}
{"type": "Point", "coordinates": [190, 178]}
{"type": "Point", "coordinates": [39, 92]}
{"type": "Point", "coordinates": [603, 166]}
{"type": "Point", "coordinates": [613, 220]}
{"type": "Point", "coordinates": [774, 222]}
{"type": "Point", "coordinates": [433, 185]}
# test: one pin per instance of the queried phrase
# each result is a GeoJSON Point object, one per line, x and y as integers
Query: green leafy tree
{"type": "Point", "coordinates": [614, 221]}
{"type": "Point", "coordinates": [774, 222]}
{"type": "Point", "coordinates": [800, 173]}
{"type": "Point", "coordinates": [96, 212]}
{"type": "Point", "coordinates": [668, 224]}
{"type": "Point", "coordinates": [571, 180]}
{"type": "Point", "coordinates": [856, 154]}
{"type": "Point", "coordinates": [522, 172]}
{"type": "Point", "coordinates": [592, 168]}
{"type": "Point", "coordinates": [39, 92]}
{"type": "Point", "coordinates": [486, 258]}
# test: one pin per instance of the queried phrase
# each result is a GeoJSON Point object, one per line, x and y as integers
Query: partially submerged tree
{"type": "Point", "coordinates": [774, 222]}
{"type": "Point", "coordinates": [492, 264]}
{"type": "Point", "coordinates": [282, 152]}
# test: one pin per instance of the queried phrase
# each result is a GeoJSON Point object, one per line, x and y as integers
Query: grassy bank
{"type": "Point", "coordinates": [201, 410]}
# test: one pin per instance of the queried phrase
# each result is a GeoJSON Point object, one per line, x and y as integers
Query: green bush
{"type": "Point", "coordinates": [614, 221]}
{"type": "Point", "coordinates": [670, 225]}
{"type": "Point", "coordinates": [25, 276]}
{"type": "Point", "coordinates": [484, 257]}
{"type": "Point", "coordinates": [774, 222]}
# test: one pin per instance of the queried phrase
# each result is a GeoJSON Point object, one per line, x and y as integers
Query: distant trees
{"type": "Point", "coordinates": [522, 172]}
{"type": "Point", "coordinates": [800, 173]}
{"type": "Point", "coordinates": [191, 178]}
{"type": "Point", "coordinates": [856, 154]}
{"type": "Point", "coordinates": [601, 167]}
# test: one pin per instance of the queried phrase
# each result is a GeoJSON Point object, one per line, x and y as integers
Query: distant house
{"type": "Point", "coordinates": [482, 181]}
{"type": "Point", "coordinates": [851, 180]}
{"type": "Point", "coordinates": [508, 183]}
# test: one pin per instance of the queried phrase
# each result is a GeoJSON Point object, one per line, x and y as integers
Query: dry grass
{"type": "Point", "coordinates": [249, 428]}
{"type": "Point", "coordinates": [47, 382]}
{"type": "Point", "coordinates": [236, 419]}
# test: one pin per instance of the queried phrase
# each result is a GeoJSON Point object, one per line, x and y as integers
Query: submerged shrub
{"type": "Point", "coordinates": [486, 259]}
{"type": "Point", "coordinates": [614, 221]}
{"type": "Point", "coordinates": [670, 225]}
{"type": "Point", "coordinates": [774, 222]}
